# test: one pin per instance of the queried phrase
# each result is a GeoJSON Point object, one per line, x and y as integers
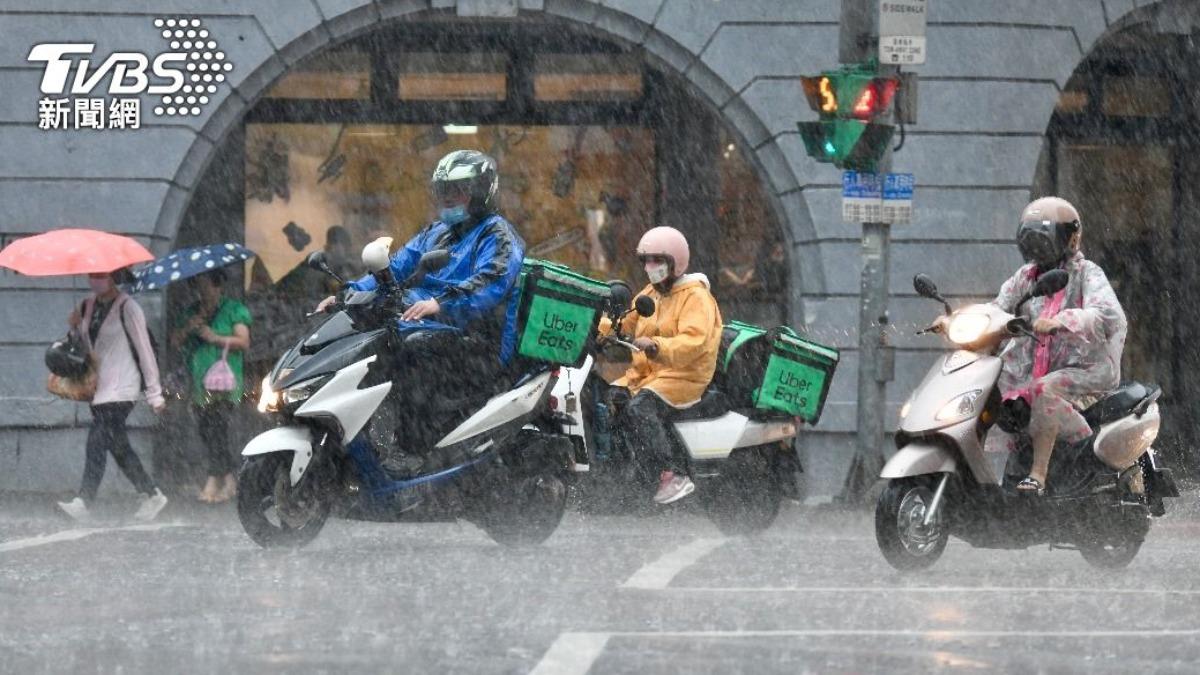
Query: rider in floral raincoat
{"type": "Point", "coordinates": [1081, 329]}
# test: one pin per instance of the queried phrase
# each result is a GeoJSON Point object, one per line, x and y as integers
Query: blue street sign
{"type": "Point", "coordinates": [861, 185]}
{"type": "Point", "coordinates": [898, 186]}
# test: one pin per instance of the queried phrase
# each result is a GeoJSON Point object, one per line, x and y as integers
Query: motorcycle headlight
{"type": "Point", "coordinates": [904, 409]}
{"type": "Point", "coordinates": [967, 328]}
{"type": "Point", "coordinates": [959, 407]}
{"type": "Point", "coordinates": [301, 391]}
{"type": "Point", "coordinates": [268, 399]}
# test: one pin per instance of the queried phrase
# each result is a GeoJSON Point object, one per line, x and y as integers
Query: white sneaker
{"type": "Point", "coordinates": [77, 509]}
{"type": "Point", "coordinates": [672, 488]}
{"type": "Point", "coordinates": [151, 505]}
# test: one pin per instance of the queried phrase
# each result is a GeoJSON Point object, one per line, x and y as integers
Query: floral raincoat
{"type": "Point", "coordinates": [1081, 362]}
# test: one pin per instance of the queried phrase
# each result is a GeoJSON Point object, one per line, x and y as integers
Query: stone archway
{"type": "Point", "coordinates": [806, 275]}
{"type": "Point", "coordinates": [1121, 146]}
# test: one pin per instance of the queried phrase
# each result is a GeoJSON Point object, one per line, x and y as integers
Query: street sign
{"type": "Point", "coordinates": [902, 31]}
{"type": "Point", "coordinates": [897, 198]}
{"type": "Point", "coordinates": [862, 197]}
{"type": "Point", "coordinates": [875, 198]}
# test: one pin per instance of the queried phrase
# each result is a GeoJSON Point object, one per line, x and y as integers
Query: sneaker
{"type": "Point", "coordinates": [151, 505]}
{"type": "Point", "coordinates": [77, 509]}
{"type": "Point", "coordinates": [672, 488]}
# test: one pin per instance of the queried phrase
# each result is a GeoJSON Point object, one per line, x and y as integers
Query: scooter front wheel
{"type": "Point", "coordinates": [906, 541]}
{"type": "Point", "coordinates": [271, 510]}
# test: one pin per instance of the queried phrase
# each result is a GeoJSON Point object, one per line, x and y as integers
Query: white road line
{"type": "Point", "coordinates": [571, 654]}
{"type": "Point", "coordinates": [574, 653]}
{"type": "Point", "coordinates": [72, 535]}
{"type": "Point", "coordinates": [930, 589]}
{"type": "Point", "coordinates": [657, 575]}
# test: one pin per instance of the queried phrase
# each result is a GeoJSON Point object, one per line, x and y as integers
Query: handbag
{"type": "Point", "coordinates": [73, 368]}
{"type": "Point", "coordinates": [219, 376]}
{"type": "Point", "coordinates": [80, 388]}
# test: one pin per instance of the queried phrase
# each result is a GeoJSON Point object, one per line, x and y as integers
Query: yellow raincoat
{"type": "Point", "coordinates": [686, 326]}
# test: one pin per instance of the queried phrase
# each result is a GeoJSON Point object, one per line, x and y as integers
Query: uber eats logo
{"type": "Point", "coordinates": [85, 90]}
{"type": "Point", "coordinates": [555, 330]}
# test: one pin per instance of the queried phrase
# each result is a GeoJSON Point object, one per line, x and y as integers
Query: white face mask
{"type": "Point", "coordinates": [657, 272]}
{"type": "Point", "coordinates": [100, 286]}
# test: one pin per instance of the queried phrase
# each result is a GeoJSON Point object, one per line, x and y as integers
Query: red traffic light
{"type": "Point", "coordinates": [874, 98]}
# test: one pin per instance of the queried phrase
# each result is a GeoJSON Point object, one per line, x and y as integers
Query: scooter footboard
{"type": "Point", "coordinates": [919, 458]}
{"type": "Point", "coordinates": [294, 439]}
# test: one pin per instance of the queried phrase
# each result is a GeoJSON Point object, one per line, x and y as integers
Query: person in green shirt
{"type": "Point", "coordinates": [207, 330]}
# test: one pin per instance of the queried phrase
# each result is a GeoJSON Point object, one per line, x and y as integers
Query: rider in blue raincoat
{"type": "Point", "coordinates": [457, 314]}
{"type": "Point", "coordinates": [485, 255]}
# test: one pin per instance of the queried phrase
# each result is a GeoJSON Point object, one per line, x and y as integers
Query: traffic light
{"type": "Point", "coordinates": [848, 102]}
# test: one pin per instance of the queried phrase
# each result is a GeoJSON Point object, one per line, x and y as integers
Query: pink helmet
{"type": "Point", "coordinates": [669, 242]}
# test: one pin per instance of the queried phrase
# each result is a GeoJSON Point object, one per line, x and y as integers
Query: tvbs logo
{"type": "Point", "coordinates": [184, 76]}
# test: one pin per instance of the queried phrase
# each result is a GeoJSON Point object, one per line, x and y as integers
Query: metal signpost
{"type": "Point", "coordinates": [894, 32]}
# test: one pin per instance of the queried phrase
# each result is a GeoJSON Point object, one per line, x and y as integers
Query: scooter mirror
{"type": "Point", "coordinates": [1050, 283]}
{"type": "Point", "coordinates": [644, 305]}
{"type": "Point", "coordinates": [376, 256]}
{"type": "Point", "coordinates": [925, 287]}
{"type": "Point", "coordinates": [318, 261]}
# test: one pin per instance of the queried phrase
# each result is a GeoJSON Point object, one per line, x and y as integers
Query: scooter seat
{"type": "Point", "coordinates": [1118, 404]}
{"type": "Point", "coordinates": [712, 404]}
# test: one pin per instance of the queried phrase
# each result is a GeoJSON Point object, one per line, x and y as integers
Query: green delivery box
{"type": "Point", "coordinates": [559, 312]}
{"type": "Point", "coordinates": [777, 371]}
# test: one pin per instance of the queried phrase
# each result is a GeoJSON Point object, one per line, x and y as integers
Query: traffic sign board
{"type": "Point", "coordinates": [898, 198]}
{"type": "Point", "coordinates": [902, 31]}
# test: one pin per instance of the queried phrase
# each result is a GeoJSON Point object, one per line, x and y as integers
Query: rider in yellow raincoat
{"type": "Point", "coordinates": [679, 344]}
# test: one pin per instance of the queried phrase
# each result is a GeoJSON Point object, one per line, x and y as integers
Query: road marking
{"type": "Point", "coordinates": [72, 535]}
{"type": "Point", "coordinates": [931, 589]}
{"type": "Point", "coordinates": [571, 654]}
{"type": "Point", "coordinates": [657, 575]}
{"type": "Point", "coordinates": [575, 653]}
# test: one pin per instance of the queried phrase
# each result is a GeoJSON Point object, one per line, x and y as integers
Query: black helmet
{"type": "Point", "coordinates": [470, 172]}
{"type": "Point", "coordinates": [67, 357]}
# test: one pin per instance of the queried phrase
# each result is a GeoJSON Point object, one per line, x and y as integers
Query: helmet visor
{"type": "Point", "coordinates": [1038, 242]}
{"type": "Point", "coordinates": [451, 191]}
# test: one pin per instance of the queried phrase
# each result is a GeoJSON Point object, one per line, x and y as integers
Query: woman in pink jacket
{"type": "Point", "coordinates": [114, 328]}
{"type": "Point", "coordinates": [1081, 329]}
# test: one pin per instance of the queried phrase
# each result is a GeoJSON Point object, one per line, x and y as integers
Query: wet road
{"type": "Point", "coordinates": [663, 594]}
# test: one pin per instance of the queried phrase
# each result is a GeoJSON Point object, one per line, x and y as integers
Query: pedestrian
{"type": "Point", "coordinates": [113, 327]}
{"type": "Point", "coordinates": [214, 333]}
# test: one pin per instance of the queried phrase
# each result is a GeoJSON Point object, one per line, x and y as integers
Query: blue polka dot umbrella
{"type": "Point", "coordinates": [187, 263]}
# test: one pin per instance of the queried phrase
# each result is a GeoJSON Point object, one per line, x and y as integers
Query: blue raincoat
{"type": "Point", "coordinates": [485, 262]}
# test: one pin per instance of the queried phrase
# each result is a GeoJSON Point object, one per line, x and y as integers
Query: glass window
{"type": "Point", "coordinates": [452, 77]}
{"type": "Point", "coordinates": [340, 74]}
{"type": "Point", "coordinates": [587, 77]}
{"type": "Point", "coordinates": [579, 195]}
{"type": "Point", "coordinates": [1136, 96]}
{"type": "Point", "coordinates": [1071, 102]}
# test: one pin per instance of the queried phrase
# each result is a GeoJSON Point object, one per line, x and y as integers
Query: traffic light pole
{"type": "Point", "coordinates": [858, 42]}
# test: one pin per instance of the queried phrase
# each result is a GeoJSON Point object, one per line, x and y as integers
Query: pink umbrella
{"type": "Point", "coordinates": [72, 251]}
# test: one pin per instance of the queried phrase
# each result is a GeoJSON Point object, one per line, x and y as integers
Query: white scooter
{"type": "Point", "coordinates": [499, 467]}
{"type": "Point", "coordinates": [1102, 491]}
{"type": "Point", "coordinates": [742, 460]}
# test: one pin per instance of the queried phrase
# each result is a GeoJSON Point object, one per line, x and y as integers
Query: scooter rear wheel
{"type": "Point", "coordinates": [1119, 546]}
{"type": "Point", "coordinates": [527, 514]}
{"type": "Point", "coordinates": [267, 507]}
{"type": "Point", "coordinates": [745, 498]}
{"type": "Point", "coordinates": [904, 539]}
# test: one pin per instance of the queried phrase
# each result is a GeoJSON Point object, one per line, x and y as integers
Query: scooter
{"type": "Point", "coordinates": [742, 460]}
{"type": "Point", "coordinates": [1102, 490]}
{"type": "Point", "coordinates": [500, 467]}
